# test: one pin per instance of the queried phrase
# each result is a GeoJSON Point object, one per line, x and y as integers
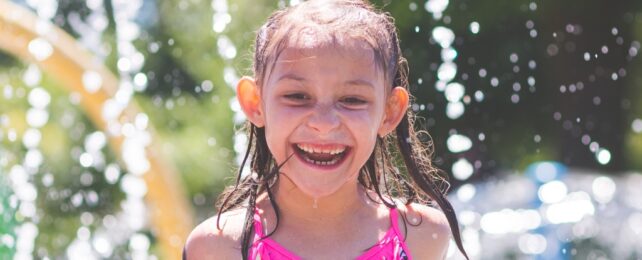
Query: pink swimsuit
{"type": "Point", "coordinates": [390, 247]}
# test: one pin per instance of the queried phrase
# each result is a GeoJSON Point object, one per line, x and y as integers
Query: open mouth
{"type": "Point", "coordinates": [321, 155]}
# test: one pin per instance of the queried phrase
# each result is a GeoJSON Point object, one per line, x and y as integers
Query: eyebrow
{"type": "Point", "coordinates": [291, 76]}
{"type": "Point", "coordinates": [359, 82]}
{"type": "Point", "coordinates": [353, 82]}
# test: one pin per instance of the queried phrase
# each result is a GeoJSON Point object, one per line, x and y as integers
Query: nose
{"type": "Point", "coordinates": [324, 119]}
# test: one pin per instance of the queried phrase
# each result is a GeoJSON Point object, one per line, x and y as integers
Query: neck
{"type": "Point", "coordinates": [336, 207]}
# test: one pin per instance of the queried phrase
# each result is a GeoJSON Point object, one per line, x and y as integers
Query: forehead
{"type": "Point", "coordinates": [310, 49]}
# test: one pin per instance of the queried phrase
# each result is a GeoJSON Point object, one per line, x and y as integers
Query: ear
{"type": "Point", "coordinates": [396, 106]}
{"type": "Point", "coordinates": [249, 98]}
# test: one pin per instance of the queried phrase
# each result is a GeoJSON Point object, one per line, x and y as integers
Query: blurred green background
{"type": "Point", "coordinates": [543, 80]}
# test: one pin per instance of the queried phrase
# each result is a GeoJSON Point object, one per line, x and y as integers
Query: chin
{"type": "Point", "coordinates": [313, 189]}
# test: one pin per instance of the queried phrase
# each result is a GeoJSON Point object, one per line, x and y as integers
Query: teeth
{"type": "Point", "coordinates": [334, 161]}
{"type": "Point", "coordinates": [309, 149]}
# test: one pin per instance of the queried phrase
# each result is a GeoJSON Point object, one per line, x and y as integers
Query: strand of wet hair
{"type": "Point", "coordinates": [238, 179]}
{"type": "Point", "coordinates": [424, 183]}
{"type": "Point", "coordinates": [374, 179]}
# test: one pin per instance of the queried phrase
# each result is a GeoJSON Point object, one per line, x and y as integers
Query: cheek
{"type": "Point", "coordinates": [279, 124]}
{"type": "Point", "coordinates": [364, 123]}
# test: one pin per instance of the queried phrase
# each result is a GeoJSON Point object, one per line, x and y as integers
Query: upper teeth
{"type": "Point", "coordinates": [310, 149]}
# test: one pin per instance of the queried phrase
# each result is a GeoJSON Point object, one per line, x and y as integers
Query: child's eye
{"type": "Point", "coordinates": [354, 102]}
{"type": "Point", "coordinates": [296, 98]}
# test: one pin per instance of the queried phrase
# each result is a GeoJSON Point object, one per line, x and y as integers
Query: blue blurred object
{"type": "Point", "coordinates": [541, 173]}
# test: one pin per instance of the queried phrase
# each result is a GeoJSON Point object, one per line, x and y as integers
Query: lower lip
{"type": "Point", "coordinates": [322, 167]}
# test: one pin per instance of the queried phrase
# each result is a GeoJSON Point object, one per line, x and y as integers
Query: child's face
{"type": "Point", "coordinates": [325, 106]}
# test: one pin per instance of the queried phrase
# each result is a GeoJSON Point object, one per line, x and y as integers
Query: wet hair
{"type": "Point", "coordinates": [400, 165]}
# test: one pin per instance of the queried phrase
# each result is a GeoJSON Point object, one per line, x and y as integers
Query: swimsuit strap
{"type": "Point", "coordinates": [258, 225]}
{"type": "Point", "coordinates": [394, 221]}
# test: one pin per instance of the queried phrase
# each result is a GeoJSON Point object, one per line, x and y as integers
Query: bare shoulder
{"type": "Point", "coordinates": [428, 233]}
{"type": "Point", "coordinates": [207, 242]}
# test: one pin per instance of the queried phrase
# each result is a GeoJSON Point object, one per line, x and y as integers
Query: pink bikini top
{"type": "Point", "coordinates": [390, 247]}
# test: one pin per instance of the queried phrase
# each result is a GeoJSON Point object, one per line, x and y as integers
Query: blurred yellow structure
{"type": "Point", "coordinates": [170, 210]}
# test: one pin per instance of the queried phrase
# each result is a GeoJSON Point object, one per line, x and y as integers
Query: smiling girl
{"type": "Point", "coordinates": [338, 171]}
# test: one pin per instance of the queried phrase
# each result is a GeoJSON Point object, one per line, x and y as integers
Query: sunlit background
{"type": "Point", "coordinates": [118, 121]}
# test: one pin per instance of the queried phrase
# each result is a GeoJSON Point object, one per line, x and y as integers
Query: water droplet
{"type": "Point", "coordinates": [314, 204]}
{"type": "Point", "coordinates": [436, 7]}
{"type": "Point", "coordinates": [479, 96]}
{"type": "Point", "coordinates": [459, 143]}
{"type": "Point", "coordinates": [47, 180]}
{"type": "Point", "coordinates": [140, 82]}
{"type": "Point", "coordinates": [514, 98]}
{"type": "Point", "coordinates": [603, 156]}
{"type": "Point", "coordinates": [462, 169]}
{"type": "Point", "coordinates": [455, 110]}
{"type": "Point", "coordinates": [586, 139]}
{"type": "Point", "coordinates": [31, 138]}
{"type": "Point", "coordinates": [139, 242]}
{"type": "Point", "coordinates": [533, 33]}
{"type": "Point", "coordinates": [603, 189]}
{"type": "Point", "coordinates": [552, 192]}
{"type": "Point", "coordinates": [494, 82]}
{"type": "Point", "coordinates": [447, 71]}
{"type": "Point", "coordinates": [482, 73]}
{"type": "Point", "coordinates": [92, 81]}
{"type": "Point", "coordinates": [37, 117]}
{"type": "Point", "coordinates": [454, 92]}
{"type": "Point", "coordinates": [531, 81]}
{"type": "Point", "coordinates": [124, 64]}
{"type": "Point", "coordinates": [552, 49]}
{"type": "Point", "coordinates": [86, 178]}
{"type": "Point", "coordinates": [636, 125]}
{"type": "Point", "coordinates": [633, 52]}
{"type": "Point", "coordinates": [133, 186]}
{"type": "Point", "coordinates": [95, 141]}
{"type": "Point", "coordinates": [517, 87]}
{"type": "Point", "coordinates": [532, 64]}
{"type": "Point", "coordinates": [86, 160]}
{"type": "Point", "coordinates": [466, 192]}
{"type": "Point", "coordinates": [448, 54]}
{"type": "Point", "coordinates": [532, 244]}
{"type": "Point", "coordinates": [40, 48]}
{"type": "Point", "coordinates": [220, 21]}
{"type": "Point", "coordinates": [226, 48]}
{"type": "Point", "coordinates": [412, 6]}
{"type": "Point", "coordinates": [474, 27]}
{"type": "Point", "coordinates": [532, 6]}
{"type": "Point", "coordinates": [32, 75]}
{"type": "Point", "coordinates": [443, 36]}
{"type": "Point", "coordinates": [112, 173]}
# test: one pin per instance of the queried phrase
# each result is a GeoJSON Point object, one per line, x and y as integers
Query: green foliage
{"type": "Point", "coordinates": [8, 221]}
